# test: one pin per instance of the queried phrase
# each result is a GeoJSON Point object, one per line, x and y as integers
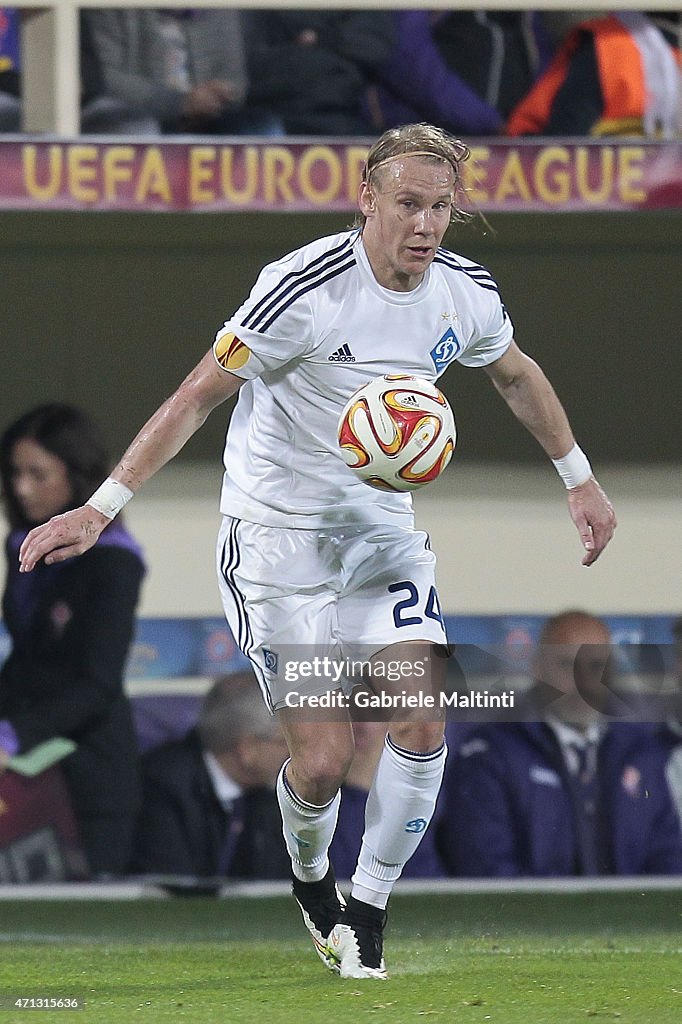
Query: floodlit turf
{"type": "Point", "coordinates": [504, 958]}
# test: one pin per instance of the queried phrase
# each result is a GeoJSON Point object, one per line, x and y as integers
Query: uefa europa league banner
{"type": "Point", "coordinates": [316, 174]}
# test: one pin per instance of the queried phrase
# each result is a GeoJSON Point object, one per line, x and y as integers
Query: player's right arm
{"type": "Point", "coordinates": [161, 438]}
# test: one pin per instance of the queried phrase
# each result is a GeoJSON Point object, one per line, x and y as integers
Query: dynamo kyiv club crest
{"type": "Point", "coordinates": [445, 350]}
{"type": "Point", "coordinates": [271, 661]}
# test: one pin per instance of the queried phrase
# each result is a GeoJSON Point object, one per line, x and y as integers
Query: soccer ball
{"type": "Point", "coordinates": [397, 432]}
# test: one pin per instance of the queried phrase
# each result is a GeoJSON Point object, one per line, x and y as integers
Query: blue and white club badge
{"type": "Point", "coordinates": [271, 660]}
{"type": "Point", "coordinates": [445, 350]}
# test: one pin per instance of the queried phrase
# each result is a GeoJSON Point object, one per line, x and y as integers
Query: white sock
{"type": "Point", "coordinates": [308, 830]}
{"type": "Point", "coordinates": [399, 808]}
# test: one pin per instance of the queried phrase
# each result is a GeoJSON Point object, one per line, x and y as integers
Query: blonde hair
{"type": "Point", "coordinates": [419, 140]}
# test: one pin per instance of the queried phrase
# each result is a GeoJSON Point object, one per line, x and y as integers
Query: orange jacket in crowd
{"type": "Point", "coordinates": [639, 74]}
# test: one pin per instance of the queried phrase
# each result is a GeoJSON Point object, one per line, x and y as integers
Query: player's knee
{"type": "Point", "coordinates": [329, 771]}
{"type": "Point", "coordinates": [321, 772]}
{"type": "Point", "coordinates": [421, 737]}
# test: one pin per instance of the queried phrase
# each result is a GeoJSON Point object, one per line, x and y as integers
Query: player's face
{"type": "Point", "coordinates": [40, 481]}
{"type": "Point", "coordinates": [407, 212]}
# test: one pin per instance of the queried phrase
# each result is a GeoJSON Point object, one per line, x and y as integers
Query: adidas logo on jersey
{"type": "Point", "coordinates": [342, 355]}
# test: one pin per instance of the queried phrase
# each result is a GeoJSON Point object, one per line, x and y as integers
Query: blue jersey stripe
{"type": "Point", "coordinates": [317, 266]}
{"type": "Point", "coordinates": [413, 755]}
{"type": "Point", "coordinates": [302, 291]}
{"type": "Point", "coordinates": [481, 280]}
{"type": "Point", "coordinates": [476, 271]}
{"type": "Point", "coordinates": [229, 562]}
{"type": "Point", "coordinates": [445, 254]}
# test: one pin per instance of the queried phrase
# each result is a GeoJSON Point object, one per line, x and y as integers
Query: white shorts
{"type": "Point", "coordinates": [343, 594]}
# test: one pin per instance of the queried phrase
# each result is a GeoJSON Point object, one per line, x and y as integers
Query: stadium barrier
{"type": "Point", "coordinates": [135, 890]}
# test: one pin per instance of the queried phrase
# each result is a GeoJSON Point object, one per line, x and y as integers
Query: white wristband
{"type": "Point", "coordinates": [110, 497]}
{"type": "Point", "coordinates": [574, 469]}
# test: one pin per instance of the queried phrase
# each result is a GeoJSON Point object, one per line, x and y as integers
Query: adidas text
{"type": "Point", "coordinates": [342, 355]}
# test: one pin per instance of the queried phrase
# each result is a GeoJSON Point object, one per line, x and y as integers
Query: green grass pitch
{"type": "Point", "coordinates": [504, 958]}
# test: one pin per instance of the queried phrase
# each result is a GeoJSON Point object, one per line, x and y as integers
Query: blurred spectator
{"type": "Point", "coordinates": [209, 807]}
{"type": "Point", "coordinates": [672, 733]}
{"type": "Point", "coordinates": [567, 793]}
{"type": "Point", "coordinates": [10, 101]}
{"type": "Point", "coordinates": [461, 70]}
{"type": "Point", "coordinates": [183, 69]}
{"type": "Point", "coordinates": [101, 113]}
{"type": "Point", "coordinates": [71, 627]}
{"type": "Point", "coordinates": [369, 741]}
{"type": "Point", "coordinates": [558, 24]}
{"type": "Point", "coordinates": [312, 67]}
{"type": "Point", "coordinates": [618, 74]}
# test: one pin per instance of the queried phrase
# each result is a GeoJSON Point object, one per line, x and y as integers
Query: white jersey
{"type": "Point", "coordinates": [317, 326]}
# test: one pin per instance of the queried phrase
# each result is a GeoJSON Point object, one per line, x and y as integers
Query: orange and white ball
{"type": "Point", "coordinates": [397, 432]}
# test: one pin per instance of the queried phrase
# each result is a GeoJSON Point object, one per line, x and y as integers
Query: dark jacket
{"type": "Point", "coordinates": [184, 830]}
{"type": "Point", "coordinates": [71, 627]}
{"type": "Point", "coordinates": [316, 89]}
{"type": "Point", "coordinates": [463, 71]}
{"type": "Point", "coordinates": [508, 808]}
{"type": "Point", "coordinates": [599, 82]}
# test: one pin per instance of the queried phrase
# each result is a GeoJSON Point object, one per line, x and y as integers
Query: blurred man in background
{"type": "Point", "coordinates": [209, 806]}
{"type": "Point", "coordinates": [566, 792]}
{"type": "Point", "coordinates": [182, 70]}
{"type": "Point", "coordinates": [615, 74]}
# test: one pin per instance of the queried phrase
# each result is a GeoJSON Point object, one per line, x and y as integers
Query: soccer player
{"type": "Point", "coordinates": [309, 557]}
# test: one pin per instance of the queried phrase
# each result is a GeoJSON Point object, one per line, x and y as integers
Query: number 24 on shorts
{"type": "Point", "coordinates": [431, 608]}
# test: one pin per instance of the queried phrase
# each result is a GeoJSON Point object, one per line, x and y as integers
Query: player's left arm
{"type": "Point", "coordinates": [534, 402]}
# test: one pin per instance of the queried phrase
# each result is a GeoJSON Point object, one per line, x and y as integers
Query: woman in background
{"type": "Point", "coordinates": [71, 627]}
